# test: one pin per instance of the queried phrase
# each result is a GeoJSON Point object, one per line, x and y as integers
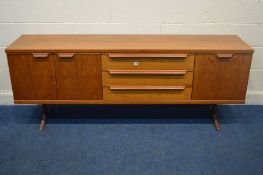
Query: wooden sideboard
{"type": "Point", "coordinates": [129, 69]}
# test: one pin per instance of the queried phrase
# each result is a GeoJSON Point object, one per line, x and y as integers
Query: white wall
{"type": "Point", "coordinates": [241, 17]}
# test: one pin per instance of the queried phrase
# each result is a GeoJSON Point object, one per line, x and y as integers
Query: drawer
{"type": "Point", "coordinates": [147, 78]}
{"type": "Point", "coordinates": [147, 93]}
{"type": "Point", "coordinates": [147, 61]}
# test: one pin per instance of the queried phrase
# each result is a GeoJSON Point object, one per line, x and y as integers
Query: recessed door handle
{"type": "Point", "coordinates": [40, 55]}
{"type": "Point", "coordinates": [147, 55]}
{"type": "Point", "coordinates": [147, 72]}
{"type": "Point", "coordinates": [66, 55]}
{"type": "Point", "coordinates": [147, 87]}
{"type": "Point", "coordinates": [224, 55]}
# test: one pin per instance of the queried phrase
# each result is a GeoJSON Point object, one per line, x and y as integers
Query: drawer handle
{"type": "Point", "coordinates": [147, 55]}
{"type": "Point", "coordinates": [224, 55]}
{"type": "Point", "coordinates": [40, 55]}
{"type": "Point", "coordinates": [147, 87]}
{"type": "Point", "coordinates": [147, 72]}
{"type": "Point", "coordinates": [66, 55]}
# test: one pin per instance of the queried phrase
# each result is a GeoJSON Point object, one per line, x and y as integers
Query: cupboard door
{"type": "Point", "coordinates": [78, 76]}
{"type": "Point", "coordinates": [32, 76]}
{"type": "Point", "coordinates": [221, 76]}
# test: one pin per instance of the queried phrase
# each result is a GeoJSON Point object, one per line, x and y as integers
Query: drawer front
{"type": "Point", "coordinates": [146, 93]}
{"type": "Point", "coordinates": [147, 61]}
{"type": "Point", "coordinates": [146, 78]}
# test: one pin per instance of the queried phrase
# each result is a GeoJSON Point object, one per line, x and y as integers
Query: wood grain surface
{"type": "Point", "coordinates": [33, 78]}
{"type": "Point", "coordinates": [147, 94]}
{"type": "Point", "coordinates": [148, 63]}
{"type": "Point", "coordinates": [79, 77]}
{"type": "Point", "coordinates": [221, 78]}
{"type": "Point", "coordinates": [147, 80]}
{"type": "Point", "coordinates": [129, 43]}
{"type": "Point", "coordinates": [132, 101]}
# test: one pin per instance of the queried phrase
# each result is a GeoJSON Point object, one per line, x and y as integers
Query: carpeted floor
{"type": "Point", "coordinates": [131, 140]}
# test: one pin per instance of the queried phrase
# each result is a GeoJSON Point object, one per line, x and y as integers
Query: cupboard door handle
{"type": "Point", "coordinates": [147, 72]}
{"type": "Point", "coordinates": [147, 55]}
{"type": "Point", "coordinates": [224, 55]}
{"type": "Point", "coordinates": [66, 55]}
{"type": "Point", "coordinates": [147, 87]}
{"type": "Point", "coordinates": [40, 55]}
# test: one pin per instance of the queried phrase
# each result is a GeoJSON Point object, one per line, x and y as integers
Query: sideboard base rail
{"type": "Point", "coordinates": [135, 102]}
{"type": "Point", "coordinates": [44, 117]}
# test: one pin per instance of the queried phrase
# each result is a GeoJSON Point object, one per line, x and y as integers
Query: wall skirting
{"type": "Point", "coordinates": [6, 97]}
{"type": "Point", "coordinates": [254, 97]}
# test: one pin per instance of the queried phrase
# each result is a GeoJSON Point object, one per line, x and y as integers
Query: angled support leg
{"type": "Point", "coordinates": [44, 118]}
{"type": "Point", "coordinates": [215, 119]}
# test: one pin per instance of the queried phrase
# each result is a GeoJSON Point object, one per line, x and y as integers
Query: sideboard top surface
{"type": "Point", "coordinates": [129, 43]}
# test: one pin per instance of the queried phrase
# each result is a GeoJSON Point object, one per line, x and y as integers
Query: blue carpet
{"type": "Point", "coordinates": [131, 140]}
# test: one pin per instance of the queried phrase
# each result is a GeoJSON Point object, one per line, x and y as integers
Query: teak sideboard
{"type": "Point", "coordinates": [129, 69]}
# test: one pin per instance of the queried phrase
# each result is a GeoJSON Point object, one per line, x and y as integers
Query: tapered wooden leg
{"type": "Point", "coordinates": [215, 119]}
{"type": "Point", "coordinates": [44, 118]}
